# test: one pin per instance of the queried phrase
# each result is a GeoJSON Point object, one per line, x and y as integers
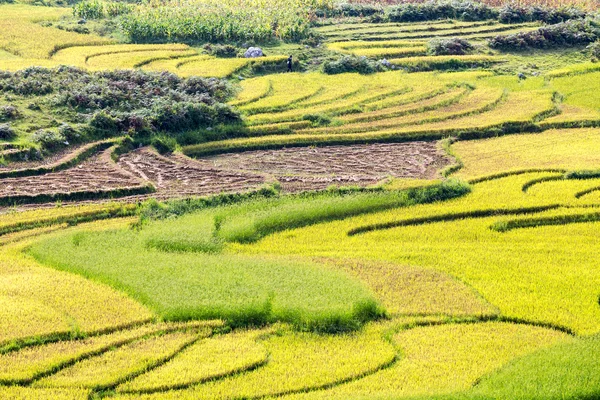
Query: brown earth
{"type": "Point", "coordinates": [96, 173]}
{"type": "Point", "coordinates": [179, 176]}
{"type": "Point", "coordinates": [297, 169]}
{"type": "Point", "coordinates": [314, 168]}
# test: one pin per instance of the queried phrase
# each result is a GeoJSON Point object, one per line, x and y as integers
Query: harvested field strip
{"type": "Point", "coordinates": [98, 177]}
{"type": "Point", "coordinates": [446, 358]}
{"type": "Point", "coordinates": [126, 362]}
{"type": "Point", "coordinates": [175, 176]}
{"type": "Point", "coordinates": [298, 362]}
{"type": "Point", "coordinates": [69, 161]}
{"type": "Point", "coordinates": [317, 168]}
{"type": "Point", "coordinates": [31, 363]}
{"type": "Point", "coordinates": [206, 360]}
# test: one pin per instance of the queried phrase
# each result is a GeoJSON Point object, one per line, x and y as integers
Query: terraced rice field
{"type": "Point", "coordinates": [457, 259]}
{"type": "Point", "coordinates": [405, 44]}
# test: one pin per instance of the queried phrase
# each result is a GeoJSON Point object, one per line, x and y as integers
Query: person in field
{"type": "Point", "coordinates": [289, 64]}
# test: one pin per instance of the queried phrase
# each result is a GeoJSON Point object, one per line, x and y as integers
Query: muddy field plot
{"type": "Point", "coordinates": [179, 176]}
{"type": "Point", "coordinates": [98, 173]}
{"type": "Point", "coordinates": [314, 168]}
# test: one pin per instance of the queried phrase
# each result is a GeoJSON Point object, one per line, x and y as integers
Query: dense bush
{"type": "Point", "coordinates": [514, 13]}
{"type": "Point", "coordinates": [449, 47]}
{"type": "Point", "coordinates": [350, 10]}
{"type": "Point", "coordinates": [116, 102]}
{"type": "Point", "coordinates": [49, 139]}
{"type": "Point", "coordinates": [573, 32]}
{"type": "Point", "coordinates": [594, 49]}
{"type": "Point", "coordinates": [164, 144]}
{"type": "Point", "coordinates": [432, 10]}
{"type": "Point", "coordinates": [221, 50]}
{"type": "Point", "coordinates": [6, 132]}
{"type": "Point", "coordinates": [8, 112]}
{"type": "Point", "coordinates": [361, 65]}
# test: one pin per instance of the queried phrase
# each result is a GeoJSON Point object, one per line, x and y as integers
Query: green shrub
{"type": "Point", "coordinates": [344, 64]}
{"type": "Point", "coordinates": [164, 144]}
{"type": "Point", "coordinates": [49, 139]}
{"type": "Point", "coordinates": [432, 10]}
{"type": "Point", "coordinates": [572, 32]}
{"type": "Point", "coordinates": [8, 112]}
{"type": "Point", "coordinates": [221, 50]}
{"type": "Point", "coordinates": [317, 119]}
{"type": "Point", "coordinates": [594, 50]}
{"type": "Point", "coordinates": [6, 131]}
{"type": "Point", "coordinates": [449, 47]}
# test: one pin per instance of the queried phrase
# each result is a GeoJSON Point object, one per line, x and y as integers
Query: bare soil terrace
{"type": "Point", "coordinates": [176, 176]}
{"type": "Point", "coordinates": [315, 168]}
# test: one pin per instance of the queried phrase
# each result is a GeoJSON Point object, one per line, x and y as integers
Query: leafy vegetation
{"type": "Point", "coordinates": [210, 21]}
{"type": "Point", "coordinates": [106, 104]}
{"type": "Point", "coordinates": [562, 34]}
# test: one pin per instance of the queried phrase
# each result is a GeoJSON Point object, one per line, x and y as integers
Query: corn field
{"type": "Point", "coordinates": [212, 20]}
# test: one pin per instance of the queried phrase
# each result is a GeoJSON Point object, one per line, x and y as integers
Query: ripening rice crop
{"type": "Point", "coordinates": [21, 33]}
{"type": "Point", "coordinates": [116, 366]}
{"type": "Point", "coordinates": [298, 362]}
{"type": "Point", "coordinates": [37, 301]}
{"type": "Point", "coordinates": [406, 290]}
{"type": "Point", "coordinates": [462, 244]}
{"type": "Point", "coordinates": [445, 359]}
{"type": "Point", "coordinates": [205, 360]}
{"type": "Point", "coordinates": [570, 149]}
{"type": "Point", "coordinates": [25, 393]}
{"type": "Point", "coordinates": [81, 55]}
{"type": "Point", "coordinates": [29, 363]}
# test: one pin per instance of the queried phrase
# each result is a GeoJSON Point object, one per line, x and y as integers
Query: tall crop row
{"type": "Point", "coordinates": [211, 20]}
